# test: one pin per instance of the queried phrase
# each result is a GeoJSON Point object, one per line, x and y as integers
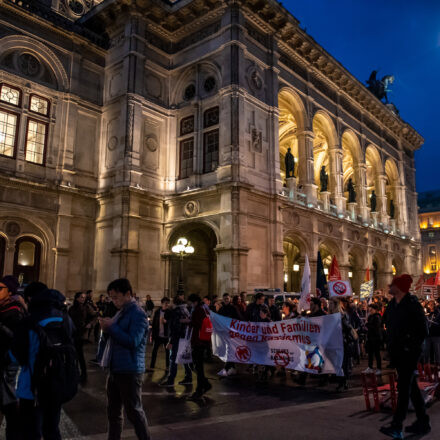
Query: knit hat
{"type": "Point", "coordinates": [11, 283]}
{"type": "Point", "coordinates": [403, 282]}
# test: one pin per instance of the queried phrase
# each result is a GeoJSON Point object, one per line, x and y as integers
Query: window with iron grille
{"type": "Point", "coordinates": [10, 95]}
{"type": "Point", "coordinates": [39, 105]}
{"type": "Point", "coordinates": [186, 158]}
{"type": "Point", "coordinates": [8, 132]}
{"type": "Point", "coordinates": [186, 125]}
{"type": "Point", "coordinates": [211, 117]}
{"type": "Point", "coordinates": [210, 149]}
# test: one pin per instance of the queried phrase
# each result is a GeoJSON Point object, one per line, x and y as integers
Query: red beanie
{"type": "Point", "coordinates": [403, 282]}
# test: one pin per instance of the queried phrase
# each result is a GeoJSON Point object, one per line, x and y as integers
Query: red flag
{"type": "Point", "coordinates": [334, 273]}
{"type": "Point", "coordinates": [420, 282]}
{"type": "Point", "coordinates": [367, 275]}
{"type": "Point", "coordinates": [437, 279]}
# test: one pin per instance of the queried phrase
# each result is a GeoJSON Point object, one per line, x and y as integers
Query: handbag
{"type": "Point", "coordinates": [184, 352]}
{"type": "Point", "coordinates": [205, 331]}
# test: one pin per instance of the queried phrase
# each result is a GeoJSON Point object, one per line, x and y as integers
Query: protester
{"type": "Point", "coordinates": [229, 311]}
{"type": "Point", "coordinates": [253, 309]}
{"type": "Point", "coordinates": [275, 314]}
{"type": "Point", "coordinates": [432, 343]}
{"type": "Point", "coordinates": [407, 329]}
{"type": "Point", "coordinates": [290, 310]}
{"type": "Point", "coordinates": [48, 377]}
{"type": "Point", "coordinates": [236, 302]}
{"type": "Point", "coordinates": [177, 328]}
{"type": "Point", "coordinates": [316, 308]}
{"type": "Point", "coordinates": [374, 339]}
{"type": "Point", "coordinates": [160, 332]}
{"type": "Point", "coordinates": [149, 306]}
{"type": "Point", "coordinates": [243, 304]}
{"type": "Point", "coordinates": [124, 356]}
{"type": "Point", "coordinates": [11, 315]}
{"type": "Point", "coordinates": [199, 344]}
{"type": "Point", "coordinates": [82, 315]}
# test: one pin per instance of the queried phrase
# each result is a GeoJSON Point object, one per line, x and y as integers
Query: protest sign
{"type": "Point", "coordinates": [367, 290]}
{"type": "Point", "coordinates": [312, 345]}
{"type": "Point", "coordinates": [339, 289]}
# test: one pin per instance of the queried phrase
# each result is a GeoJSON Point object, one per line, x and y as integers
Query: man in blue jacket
{"type": "Point", "coordinates": [124, 356]}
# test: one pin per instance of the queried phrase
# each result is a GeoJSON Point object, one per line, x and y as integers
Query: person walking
{"type": "Point", "coordinates": [374, 339]}
{"type": "Point", "coordinates": [179, 320]}
{"type": "Point", "coordinates": [149, 306]}
{"type": "Point", "coordinates": [44, 348]}
{"type": "Point", "coordinates": [407, 329]}
{"type": "Point", "coordinates": [160, 332]}
{"type": "Point", "coordinates": [124, 356]}
{"type": "Point", "coordinates": [230, 311]}
{"type": "Point", "coordinates": [82, 315]}
{"type": "Point", "coordinates": [199, 344]}
{"type": "Point", "coordinates": [11, 315]}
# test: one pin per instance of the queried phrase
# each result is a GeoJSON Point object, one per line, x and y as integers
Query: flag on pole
{"type": "Point", "coordinates": [306, 287]}
{"type": "Point", "coordinates": [367, 290]}
{"type": "Point", "coordinates": [419, 283]}
{"type": "Point", "coordinates": [334, 273]}
{"type": "Point", "coordinates": [367, 275]}
{"type": "Point", "coordinates": [321, 280]}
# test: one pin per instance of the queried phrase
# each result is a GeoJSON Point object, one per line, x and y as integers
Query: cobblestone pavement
{"type": "Point", "coordinates": [236, 408]}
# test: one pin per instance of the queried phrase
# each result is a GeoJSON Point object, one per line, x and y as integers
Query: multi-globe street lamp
{"type": "Point", "coordinates": [182, 249]}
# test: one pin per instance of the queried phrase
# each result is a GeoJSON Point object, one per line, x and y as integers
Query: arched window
{"type": "Point", "coordinates": [27, 259]}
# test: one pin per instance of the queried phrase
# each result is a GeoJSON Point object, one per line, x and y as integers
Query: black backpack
{"type": "Point", "coordinates": [56, 371]}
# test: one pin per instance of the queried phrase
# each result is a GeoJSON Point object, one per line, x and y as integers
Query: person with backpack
{"type": "Point", "coordinates": [11, 315]}
{"type": "Point", "coordinates": [49, 375]}
{"type": "Point", "coordinates": [200, 341]}
{"type": "Point", "coordinates": [124, 356]}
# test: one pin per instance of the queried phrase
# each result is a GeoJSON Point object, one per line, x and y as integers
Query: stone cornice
{"type": "Point", "coordinates": [306, 51]}
{"type": "Point", "coordinates": [56, 23]}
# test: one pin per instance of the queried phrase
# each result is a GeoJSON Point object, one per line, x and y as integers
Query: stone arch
{"type": "Point", "coordinates": [374, 173]}
{"type": "Point", "coordinates": [291, 121]}
{"type": "Point", "coordinates": [324, 142]}
{"type": "Point", "coordinates": [329, 248]}
{"type": "Point", "coordinates": [398, 264]}
{"type": "Point", "coordinates": [391, 184]}
{"type": "Point", "coordinates": [378, 270]}
{"type": "Point", "coordinates": [40, 51]}
{"type": "Point", "coordinates": [199, 270]}
{"type": "Point", "coordinates": [190, 76]}
{"type": "Point", "coordinates": [295, 249]}
{"type": "Point", "coordinates": [357, 266]}
{"type": "Point", "coordinates": [352, 156]}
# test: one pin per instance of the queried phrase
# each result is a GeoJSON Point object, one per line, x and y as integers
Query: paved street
{"type": "Point", "coordinates": [236, 408]}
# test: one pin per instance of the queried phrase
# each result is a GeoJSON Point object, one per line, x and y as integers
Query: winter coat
{"type": "Point", "coordinates": [81, 315]}
{"type": "Point", "coordinates": [434, 323]}
{"type": "Point", "coordinates": [275, 314]}
{"type": "Point", "coordinates": [229, 311]}
{"type": "Point", "coordinates": [46, 307]}
{"type": "Point", "coordinates": [176, 328]}
{"type": "Point", "coordinates": [156, 324]}
{"type": "Point", "coordinates": [374, 326]}
{"type": "Point", "coordinates": [406, 328]}
{"type": "Point", "coordinates": [253, 312]}
{"type": "Point", "coordinates": [128, 339]}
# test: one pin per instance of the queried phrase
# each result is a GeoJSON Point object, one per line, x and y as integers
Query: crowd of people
{"type": "Point", "coordinates": [37, 329]}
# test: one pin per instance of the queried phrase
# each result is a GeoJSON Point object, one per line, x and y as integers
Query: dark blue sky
{"type": "Point", "coordinates": [399, 37]}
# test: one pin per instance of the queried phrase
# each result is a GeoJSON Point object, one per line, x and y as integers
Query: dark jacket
{"type": "Point", "coordinates": [197, 317]}
{"type": "Point", "coordinates": [228, 310]}
{"type": "Point", "coordinates": [156, 323]}
{"type": "Point", "coordinates": [46, 307]}
{"type": "Point", "coordinates": [374, 326]}
{"type": "Point", "coordinates": [81, 315]}
{"type": "Point", "coordinates": [434, 323]}
{"type": "Point", "coordinates": [275, 314]}
{"type": "Point", "coordinates": [406, 328]}
{"type": "Point", "coordinates": [128, 335]}
{"type": "Point", "coordinates": [253, 312]}
{"type": "Point", "coordinates": [176, 328]}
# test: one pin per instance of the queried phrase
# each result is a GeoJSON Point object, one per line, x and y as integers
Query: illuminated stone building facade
{"type": "Point", "coordinates": [128, 124]}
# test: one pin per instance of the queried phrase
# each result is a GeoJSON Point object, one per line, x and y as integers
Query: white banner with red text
{"type": "Point", "coordinates": [312, 345]}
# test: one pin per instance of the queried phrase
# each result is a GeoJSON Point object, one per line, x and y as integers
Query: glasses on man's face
{"type": "Point", "coordinates": [3, 287]}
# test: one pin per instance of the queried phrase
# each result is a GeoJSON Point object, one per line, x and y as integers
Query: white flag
{"type": "Point", "coordinates": [306, 287]}
{"type": "Point", "coordinates": [339, 289]}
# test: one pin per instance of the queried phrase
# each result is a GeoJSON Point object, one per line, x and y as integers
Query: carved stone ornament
{"type": "Point", "coordinates": [256, 140]}
{"type": "Point", "coordinates": [28, 64]}
{"type": "Point", "coordinates": [191, 208]}
{"type": "Point", "coordinates": [112, 143]}
{"type": "Point", "coordinates": [12, 229]}
{"type": "Point", "coordinates": [254, 79]}
{"type": "Point", "coordinates": [151, 143]}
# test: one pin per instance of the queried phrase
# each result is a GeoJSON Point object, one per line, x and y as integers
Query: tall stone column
{"type": "Point", "coordinates": [306, 176]}
{"type": "Point", "coordinates": [360, 173]}
{"type": "Point", "coordinates": [382, 198]}
{"type": "Point", "coordinates": [336, 181]}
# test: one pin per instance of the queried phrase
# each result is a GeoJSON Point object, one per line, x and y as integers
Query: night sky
{"type": "Point", "coordinates": [396, 37]}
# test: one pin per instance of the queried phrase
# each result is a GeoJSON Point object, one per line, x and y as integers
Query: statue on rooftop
{"type": "Point", "coordinates": [323, 177]}
{"type": "Point", "coordinates": [380, 87]}
{"type": "Point", "coordinates": [289, 162]}
{"type": "Point", "coordinates": [351, 191]}
{"type": "Point", "coordinates": [373, 201]}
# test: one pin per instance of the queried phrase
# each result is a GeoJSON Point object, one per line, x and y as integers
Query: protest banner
{"type": "Point", "coordinates": [312, 345]}
{"type": "Point", "coordinates": [306, 287]}
{"type": "Point", "coordinates": [339, 289]}
{"type": "Point", "coordinates": [367, 290]}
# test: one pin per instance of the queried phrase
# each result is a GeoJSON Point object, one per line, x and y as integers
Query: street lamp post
{"type": "Point", "coordinates": [182, 249]}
